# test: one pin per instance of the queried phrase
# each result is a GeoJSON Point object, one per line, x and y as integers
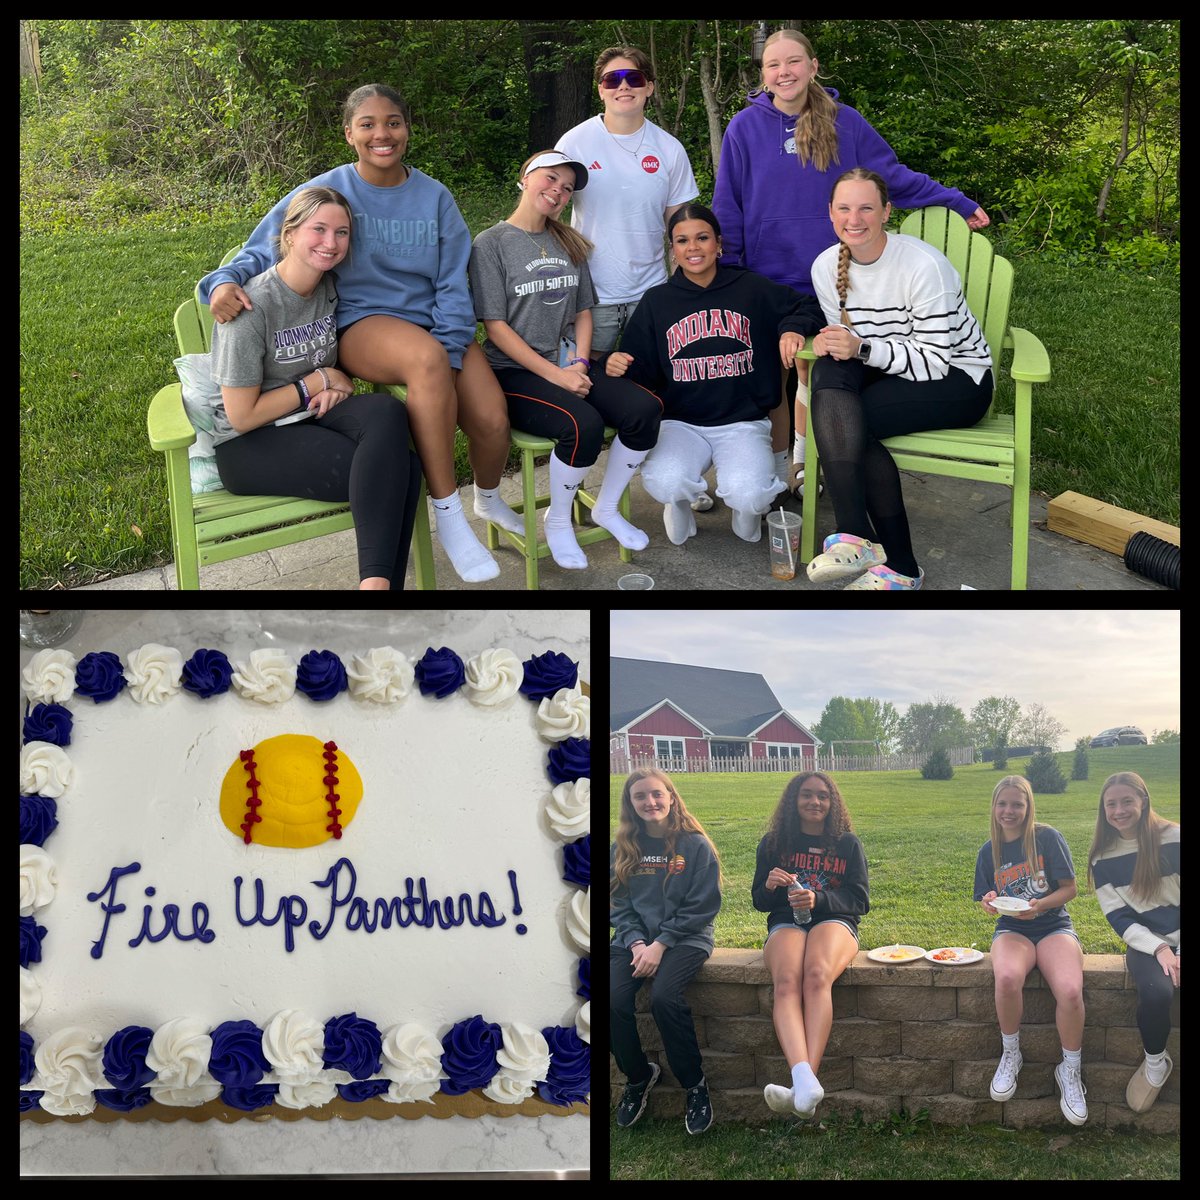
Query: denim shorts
{"type": "Point", "coordinates": [1036, 937]}
{"type": "Point", "coordinates": [805, 928]}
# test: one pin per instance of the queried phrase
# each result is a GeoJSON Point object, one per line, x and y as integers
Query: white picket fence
{"type": "Point", "coordinates": [621, 763]}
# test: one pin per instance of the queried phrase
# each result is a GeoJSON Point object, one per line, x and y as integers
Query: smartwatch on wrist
{"type": "Point", "coordinates": [864, 351]}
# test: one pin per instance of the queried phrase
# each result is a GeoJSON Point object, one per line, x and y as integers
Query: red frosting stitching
{"type": "Point", "coordinates": [253, 803]}
{"type": "Point", "coordinates": [330, 782]}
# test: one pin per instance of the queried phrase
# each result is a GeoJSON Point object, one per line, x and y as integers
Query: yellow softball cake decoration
{"type": "Point", "coordinates": [293, 791]}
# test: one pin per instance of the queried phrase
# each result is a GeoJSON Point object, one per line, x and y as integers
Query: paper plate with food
{"type": "Point", "coordinates": [896, 954]}
{"type": "Point", "coordinates": [954, 955]}
{"type": "Point", "coordinates": [1010, 904]}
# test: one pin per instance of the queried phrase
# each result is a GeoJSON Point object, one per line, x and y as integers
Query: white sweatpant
{"type": "Point", "coordinates": [746, 480]}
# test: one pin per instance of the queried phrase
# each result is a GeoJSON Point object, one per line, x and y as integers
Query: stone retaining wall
{"type": "Point", "coordinates": [915, 1036]}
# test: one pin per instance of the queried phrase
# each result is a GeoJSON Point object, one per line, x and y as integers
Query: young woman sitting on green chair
{"type": "Point", "coordinates": [290, 424]}
{"type": "Point", "coordinates": [901, 353]}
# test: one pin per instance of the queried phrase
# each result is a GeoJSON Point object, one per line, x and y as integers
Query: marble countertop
{"type": "Point", "coordinates": [457, 1146]}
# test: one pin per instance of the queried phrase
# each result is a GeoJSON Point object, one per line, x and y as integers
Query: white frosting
{"type": "Point", "coordinates": [493, 677]}
{"type": "Point", "coordinates": [69, 1071]}
{"type": "Point", "coordinates": [294, 1045]}
{"type": "Point", "coordinates": [153, 673]}
{"type": "Point", "coordinates": [583, 1022]}
{"type": "Point", "coordinates": [38, 879]}
{"type": "Point", "coordinates": [447, 791]}
{"type": "Point", "coordinates": [31, 995]}
{"type": "Point", "coordinates": [311, 1094]}
{"type": "Point", "coordinates": [412, 1059]}
{"type": "Point", "coordinates": [569, 809]}
{"type": "Point", "coordinates": [565, 714]}
{"type": "Point", "coordinates": [269, 678]}
{"type": "Point", "coordinates": [45, 770]}
{"type": "Point", "coordinates": [179, 1053]}
{"type": "Point", "coordinates": [524, 1061]}
{"type": "Point", "coordinates": [578, 919]}
{"type": "Point", "coordinates": [383, 675]}
{"type": "Point", "coordinates": [202, 1093]}
{"type": "Point", "coordinates": [50, 677]}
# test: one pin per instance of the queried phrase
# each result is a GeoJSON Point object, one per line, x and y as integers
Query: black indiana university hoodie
{"type": "Point", "coordinates": [711, 354]}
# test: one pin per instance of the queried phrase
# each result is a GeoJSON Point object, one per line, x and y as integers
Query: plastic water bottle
{"type": "Point", "coordinates": [800, 916]}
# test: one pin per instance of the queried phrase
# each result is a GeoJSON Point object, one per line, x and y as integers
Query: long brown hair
{"type": "Point", "coordinates": [816, 127]}
{"type": "Point", "coordinates": [1028, 829]}
{"type": "Point", "coordinates": [1147, 873]}
{"type": "Point", "coordinates": [784, 832]}
{"type": "Point", "coordinates": [631, 829]}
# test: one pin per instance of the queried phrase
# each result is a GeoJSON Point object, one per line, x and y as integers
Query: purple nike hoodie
{"type": "Point", "coordinates": [774, 213]}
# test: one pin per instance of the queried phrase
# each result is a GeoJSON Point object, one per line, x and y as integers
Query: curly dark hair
{"type": "Point", "coordinates": [784, 832]}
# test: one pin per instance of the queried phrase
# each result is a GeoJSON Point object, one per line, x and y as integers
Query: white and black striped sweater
{"type": "Point", "coordinates": [908, 304]}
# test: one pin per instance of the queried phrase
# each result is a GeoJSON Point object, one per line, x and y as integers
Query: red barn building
{"type": "Point", "coordinates": [684, 718]}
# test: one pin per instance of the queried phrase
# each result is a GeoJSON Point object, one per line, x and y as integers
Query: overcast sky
{"type": "Point", "coordinates": [1092, 670]}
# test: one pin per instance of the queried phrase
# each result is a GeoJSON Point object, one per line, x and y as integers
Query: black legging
{"type": "Point", "coordinates": [359, 452]}
{"type": "Point", "coordinates": [853, 408]}
{"type": "Point", "coordinates": [576, 423]}
{"type": "Point", "coordinates": [1155, 995]}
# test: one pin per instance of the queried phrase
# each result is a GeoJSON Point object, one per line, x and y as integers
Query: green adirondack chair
{"type": "Point", "coordinates": [214, 527]}
{"type": "Point", "coordinates": [996, 450]}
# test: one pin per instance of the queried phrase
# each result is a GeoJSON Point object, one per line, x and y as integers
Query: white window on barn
{"type": "Point", "coordinates": [669, 753]}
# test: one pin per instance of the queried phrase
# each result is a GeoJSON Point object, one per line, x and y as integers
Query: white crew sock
{"type": "Point", "coordinates": [807, 1092]}
{"type": "Point", "coordinates": [490, 507]}
{"type": "Point", "coordinates": [1156, 1068]}
{"type": "Point", "coordinates": [798, 449]}
{"type": "Point", "coordinates": [560, 533]}
{"type": "Point", "coordinates": [467, 554]}
{"type": "Point", "coordinates": [1011, 1041]}
{"type": "Point", "coordinates": [622, 467]}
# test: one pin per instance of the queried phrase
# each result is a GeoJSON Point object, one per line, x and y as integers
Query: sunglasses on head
{"type": "Point", "coordinates": [614, 79]}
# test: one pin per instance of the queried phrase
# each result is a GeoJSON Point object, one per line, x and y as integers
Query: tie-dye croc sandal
{"type": "Point", "coordinates": [881, 579]}
{"type": "Point", "coordinates": [845, 555]}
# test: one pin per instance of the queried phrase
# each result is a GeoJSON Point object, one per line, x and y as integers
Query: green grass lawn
{"type": "Point", "coordinates": [921, 838]}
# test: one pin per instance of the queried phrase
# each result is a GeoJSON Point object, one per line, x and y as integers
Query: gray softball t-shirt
{"type": "Point", "coordinates": [527, 280]}
{"type": "Point", "coordinates": [284, 336]}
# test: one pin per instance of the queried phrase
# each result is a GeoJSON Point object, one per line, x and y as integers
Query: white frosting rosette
{"type": "Point", "coordinates": [179, 1052]}
{"type": "Point", "coordinates": [568, 713]}
{"type": "Point", "coordinates": [294, 1044]}
{"type": "Point", "coordinates": [69, 1071]}
{"type": "Point", "coordinates": [45, 770]}
{"type": "Point", "coordinates": [311, 1094]}
{"type": "Point", "coordinates": [412, 1060]}
{"type": "Point", "coordinates": [569, 809]}
{"type": "Point", "coordinates": [50, 677]}
{"type": "Point", "coordinates": [383, 675]}
{"type": "Point", "coordinates": [583, 1022]}
{"type": "Point", "coordinates": [153, 673]}
{"type": "Point", "coordinates": [38, 879]}
{"type": "Point", "coordinates": [524, 1060]}
{"type": "Point", "coordinates": [31, 996]}
{"type": "Point", "coordinates": [579, 920]}
{"type": "Point", "coordinates": [270, 677]}
{"type": "Point", "coordinates": [493, 677]}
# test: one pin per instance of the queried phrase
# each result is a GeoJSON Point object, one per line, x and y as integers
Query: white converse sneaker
{"type": "Point", "coordinates": [1004, 1082]}
{"type": "Point", "coordinates": [1070, 1086]}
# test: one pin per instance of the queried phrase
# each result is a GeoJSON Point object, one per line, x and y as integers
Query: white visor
{"type": "Point", "coordinates": [556, 158]}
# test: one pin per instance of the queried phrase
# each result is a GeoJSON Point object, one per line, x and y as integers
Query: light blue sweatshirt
{"type": "Point", "coordinates": [408, 256]}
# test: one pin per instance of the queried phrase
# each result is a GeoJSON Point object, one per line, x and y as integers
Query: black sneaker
{"type": "Point", "coordinates": [699, 1110]}
{"type": "Point", "coordinates": [633, 1102]}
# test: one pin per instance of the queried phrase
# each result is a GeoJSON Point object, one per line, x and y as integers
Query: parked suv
{"type": "Point", "coordinates": [1122, 735]}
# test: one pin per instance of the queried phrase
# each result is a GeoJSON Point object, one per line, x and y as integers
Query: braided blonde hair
{"type": "Point", "coordinates": [843, 267]}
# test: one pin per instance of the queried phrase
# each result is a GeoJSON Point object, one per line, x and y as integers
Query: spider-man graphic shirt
{"type": "Point", "coordinates": [834, 868]}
